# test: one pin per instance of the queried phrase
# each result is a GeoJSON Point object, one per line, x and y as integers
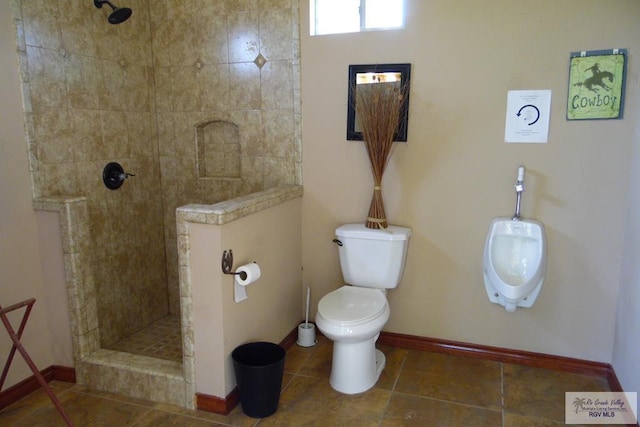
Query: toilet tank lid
{"type": "Point", "coordinates": [359, 231]}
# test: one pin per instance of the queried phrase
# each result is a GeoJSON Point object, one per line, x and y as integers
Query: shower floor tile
{"type": "Point", "coordinates": [162, 339]}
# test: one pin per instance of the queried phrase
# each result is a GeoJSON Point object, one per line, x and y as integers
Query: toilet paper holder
{"type": "Point", "coordinates": [227, 265]}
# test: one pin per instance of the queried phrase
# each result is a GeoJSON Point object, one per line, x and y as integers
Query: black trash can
{"type": "Point", "coordinates": [259, 367]}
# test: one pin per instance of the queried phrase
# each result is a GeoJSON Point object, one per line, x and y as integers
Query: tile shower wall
{"type": "Point", "coordinates": [135, 93]}
{"type": "Point", "coordinates": [235, 70]}
{"type": "Point", "coordinates": [89, 100]}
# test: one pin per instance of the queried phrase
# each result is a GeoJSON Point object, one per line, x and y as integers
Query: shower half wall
{"type": "Point", "coordinates": [140, 93]}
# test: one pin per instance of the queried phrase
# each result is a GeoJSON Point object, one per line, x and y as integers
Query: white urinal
{"type": "Point", "coordinates": [514, 262]}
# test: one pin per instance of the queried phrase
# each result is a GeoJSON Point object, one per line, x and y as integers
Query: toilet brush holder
{"type": "Point", "coordinates": [306, 334]}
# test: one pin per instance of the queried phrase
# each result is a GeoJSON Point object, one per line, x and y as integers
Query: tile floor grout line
{"type": "Point", "coordinates": [140, 417]}
{"type": "Point", "coordinates": [150, 405]}
{"type": "Point", "coordinates": [404, 360]}
{"type": "Point", "coordinates": [95, 395]}
{"type": "Point", "coordinates": [435, 399]}
{"type": "Point", "coordinates": [288, 383]}
{"type": "Point", "coordinates": [45, 406]}
{"type": "Point", "coordinates": [393, 387]}
{"type": "Point", "coordinates": [317, 377]}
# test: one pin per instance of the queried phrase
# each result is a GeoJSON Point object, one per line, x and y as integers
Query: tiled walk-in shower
{"type": "Point", "coordinates": [138, 100]}
{"type": "Point", "coordinates": [166, 94]}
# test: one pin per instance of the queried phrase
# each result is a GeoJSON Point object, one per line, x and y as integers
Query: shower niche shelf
{"type": "Point", "coordinates": [218, 149]}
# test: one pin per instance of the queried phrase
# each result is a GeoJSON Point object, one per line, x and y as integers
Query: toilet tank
{"type": "Point", "coordinates": [373, 258]}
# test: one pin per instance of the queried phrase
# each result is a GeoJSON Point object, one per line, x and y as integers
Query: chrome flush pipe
{"type": "Point", "coordinates": [519, 186]}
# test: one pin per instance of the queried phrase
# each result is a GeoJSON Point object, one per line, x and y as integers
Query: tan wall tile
{"type": "Point", "coordinates": [244, 36]}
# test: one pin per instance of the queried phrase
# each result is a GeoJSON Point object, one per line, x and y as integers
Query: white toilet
{"type": "Point", "coordinates": [514, 262]}
{"type": "Point", "coordinates": [352, 316]}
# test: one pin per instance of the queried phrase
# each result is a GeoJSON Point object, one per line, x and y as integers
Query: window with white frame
{"type": "Point", "coordinates": [350, 16]}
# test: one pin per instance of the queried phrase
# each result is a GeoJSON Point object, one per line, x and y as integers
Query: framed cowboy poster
{"type": "Point", "coordinates": [596, 84]}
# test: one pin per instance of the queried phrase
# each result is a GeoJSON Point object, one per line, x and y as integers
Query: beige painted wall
{"type": "Point", "coordinates": [626, 347]}
{"type": "Point", "coordinates": [271, 238]}
{"type": "Point", "coordinates": [55, 288]}
{"type": "Point", "coordinates": [47, 336]}
{"type": "Point", "coordinates": [455, 172]}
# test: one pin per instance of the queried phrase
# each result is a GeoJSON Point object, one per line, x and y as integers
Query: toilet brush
{"type": "Point", "coordinates": [306, 330]}
{"type": "Point", "coordinates": [306, 316]}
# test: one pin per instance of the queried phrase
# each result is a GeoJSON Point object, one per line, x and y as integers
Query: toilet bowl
{"type": "Point", "coordinates": [353, 318]}
{"type": "Point", "coordinates": [514, 262]}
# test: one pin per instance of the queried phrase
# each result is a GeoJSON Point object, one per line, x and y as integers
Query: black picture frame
{"type": "Point", "coordinates": [353, 134]}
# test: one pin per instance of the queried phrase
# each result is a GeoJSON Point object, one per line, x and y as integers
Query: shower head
{"type": "Point", "coordinates": [119, 14]}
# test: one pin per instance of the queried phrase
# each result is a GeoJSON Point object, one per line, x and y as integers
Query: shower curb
{"type": "Point", "coordinates": [135, 376]}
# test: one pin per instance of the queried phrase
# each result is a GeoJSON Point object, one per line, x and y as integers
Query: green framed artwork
{"type": "Point", "coordinates": [596, 84]}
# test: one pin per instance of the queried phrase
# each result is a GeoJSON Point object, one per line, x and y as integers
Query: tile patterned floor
{"type": "Point", "coordinates": [162, 339]}
{"type": "Point", "coordinates": [416, 389]}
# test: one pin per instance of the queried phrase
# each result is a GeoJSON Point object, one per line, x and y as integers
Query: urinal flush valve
{"type": "Point", "coordinates": [519, 186]}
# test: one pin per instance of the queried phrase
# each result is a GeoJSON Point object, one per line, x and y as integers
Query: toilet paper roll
{"type": "Point", "coordinates": [251, 274]}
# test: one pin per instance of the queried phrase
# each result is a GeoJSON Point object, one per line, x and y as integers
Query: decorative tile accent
{"type": "Point", "coordinates": [198, 64]}
{"type": "Point", "coordinates": [260, 60]}
{"type": "Point", "coordinates": [62, 51]}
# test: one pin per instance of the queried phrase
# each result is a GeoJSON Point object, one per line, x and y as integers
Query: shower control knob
{"type": "Point", "coordinates": [113, 176]}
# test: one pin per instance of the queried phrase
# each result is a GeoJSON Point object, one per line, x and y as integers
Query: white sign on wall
{"type": "Point", "coordinates": [527, 116]}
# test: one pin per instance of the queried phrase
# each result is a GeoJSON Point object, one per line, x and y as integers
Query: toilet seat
{"type": "Point", "coordinates": [350, 306]}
